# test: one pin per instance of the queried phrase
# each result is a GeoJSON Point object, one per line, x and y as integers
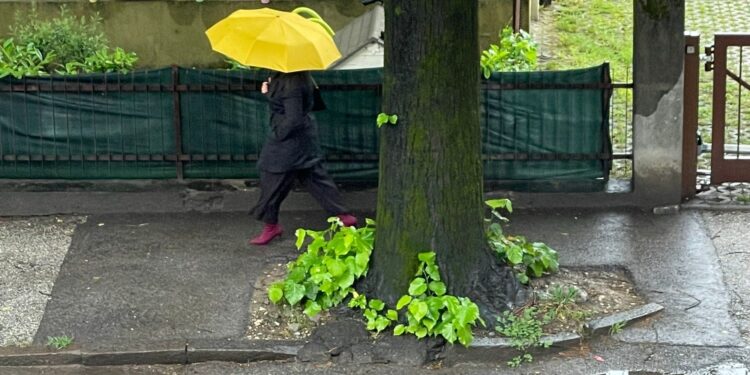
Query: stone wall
{"type": "Point", "coordinates": [172, 32]}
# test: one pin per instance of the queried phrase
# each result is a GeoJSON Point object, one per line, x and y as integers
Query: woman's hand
{"type": "Point", "coordinates": [264, 86]}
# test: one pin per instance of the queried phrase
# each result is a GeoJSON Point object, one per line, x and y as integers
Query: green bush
{"type": "Point", "coordinates": [516, 52]}
{"type": "Point", "coordinates": [70, 38]}
{"type": "Point", "coordinates": [71, 44]}
{"type": "Point", "coordinates": [103, 61]}
{"type": "Point", "coordinates": [22, 60]}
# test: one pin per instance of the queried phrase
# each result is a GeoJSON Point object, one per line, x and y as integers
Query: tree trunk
{"type": "Point", "coordinates": [430, 186]}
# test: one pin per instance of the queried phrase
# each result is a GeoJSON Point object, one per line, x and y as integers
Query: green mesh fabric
{"type": "Point", "coordinates": [549, 135]}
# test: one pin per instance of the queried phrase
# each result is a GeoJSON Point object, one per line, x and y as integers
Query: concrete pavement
{"type": "Point", "coordinates": [178, 286]}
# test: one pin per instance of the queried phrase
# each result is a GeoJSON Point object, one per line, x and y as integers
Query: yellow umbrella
{"type": "Point", "coordinates": [267, 38]}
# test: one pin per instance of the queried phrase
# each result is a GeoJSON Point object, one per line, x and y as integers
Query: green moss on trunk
{"type": "Point", "coordinates": [430, 188]}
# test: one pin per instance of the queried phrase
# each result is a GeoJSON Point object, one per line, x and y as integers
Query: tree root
{"type": "Point", "coordinates": [495, 290]}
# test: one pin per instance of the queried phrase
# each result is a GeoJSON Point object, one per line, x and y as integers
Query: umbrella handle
{"type": "Point", "coordinates": [314, 17]}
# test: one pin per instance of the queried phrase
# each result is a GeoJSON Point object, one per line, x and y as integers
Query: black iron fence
{"type": "Point", "coordinates": [187, 123]}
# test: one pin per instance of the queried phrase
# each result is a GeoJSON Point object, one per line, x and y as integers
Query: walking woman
{"type": "Point", "coordinates": [291, 152]}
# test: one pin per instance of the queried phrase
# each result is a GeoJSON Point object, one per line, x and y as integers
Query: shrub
{"type": "Point", "coordinates": [103, 61]}
{"type": "Point", "coordinates": [22, 60]}
{"type": "Point", "coordinates": [516, 52]}
{"type": "Point", "coordinates": [70, 38]}
{"type": "Point", "coordinates": [71, 44]}
{"type": "Point", "coordinates": [528, 259]}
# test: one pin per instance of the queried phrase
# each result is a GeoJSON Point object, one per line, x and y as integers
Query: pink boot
{"type": "Point", "coordinates": [270, 231]}
{"type": "Point", "coordinates": [348, 220]}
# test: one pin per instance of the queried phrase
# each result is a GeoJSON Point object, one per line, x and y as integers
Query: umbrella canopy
{"type": "Point", "coordinates": [267, 38]}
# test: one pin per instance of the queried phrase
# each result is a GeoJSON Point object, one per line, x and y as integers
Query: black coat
{"type": "Point", "coordinates": [292, 142]}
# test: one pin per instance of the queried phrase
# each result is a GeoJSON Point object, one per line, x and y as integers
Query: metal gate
{"type": "Point", "coordinates": [730, 135]}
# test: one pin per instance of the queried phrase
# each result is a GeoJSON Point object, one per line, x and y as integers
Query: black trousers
{"type": "Point", "coordinates": [274, 188]}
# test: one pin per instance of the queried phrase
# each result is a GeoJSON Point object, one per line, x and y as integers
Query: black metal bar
{"type": "Point", "coordinates": [128, 87]}
{"type": "Point", "coordinates": [67, 128]}
{"type": "Point", "coordinates": [556, 86]}
{"type": "Point", "coordinates": [162, 119]}
{"type": "Point", "coordinates": [606, 139]}
{"type": "Point", "coordinates": [148, 119]}
{"type": "Point", "coordinates": [253, 86]}
{"type": "Point", "coordinates": [26, 122]}
{"type": "Point", "coordinates": [627, 110]}
{"type": "Point", "coordinates": [177, 122]}
{"type": "Point", "coordinates": [93, 121]}
{"type": "Point", "coordinates": [122, 131]}
{"type": "Point", "coordinates": [330, 157]}
{"type": "Point", "coordinates": [108, 128]}
{"type": "Point", "coordinates": [54, 134]}
{"type": "Point", "coordinates": [739, 103]}
{"type": "Point", "coordinates": [134, 124]}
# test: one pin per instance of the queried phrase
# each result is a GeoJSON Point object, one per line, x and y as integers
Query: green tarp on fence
{"type": "Point", "coordinates": [125, 126]}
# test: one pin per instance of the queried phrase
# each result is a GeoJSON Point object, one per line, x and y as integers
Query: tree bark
{"type": "Point", "coordinates": [430, 191]}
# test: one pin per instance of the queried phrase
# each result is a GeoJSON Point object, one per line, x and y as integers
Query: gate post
{"type": "Point", "coordinates": [658, 55]}
{"type": "Point", "coordinates": [690, 115]}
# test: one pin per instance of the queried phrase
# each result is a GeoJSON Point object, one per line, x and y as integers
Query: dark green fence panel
{"type": "Point", "coordinates": [348, 133]}
{"type": "Point", "coordinates": [222, 131]}
{"type": "Point", "coordinates": [48, 130]}
{"type": "Point", "coordinates": [547, 126]}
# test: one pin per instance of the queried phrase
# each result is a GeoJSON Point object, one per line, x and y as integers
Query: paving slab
{"type": "Point", "coordinates": [671, 259]}
{"type": "Point", "coordinates": [137, 281]}
{"type": "Point", "coordinates": [31, 252]}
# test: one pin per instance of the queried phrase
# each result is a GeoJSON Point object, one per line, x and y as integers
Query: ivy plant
{"type": "Point", "coordinates": [430, 311]}
{"type": "Point", "coordinates": [528, 259]}
{"type": "Point", "coordinates": [384, 118]}
{"type": "Point", "coordinates": [376, 315]}
{"type": "Point", "coordinates": [426, 310]}
{"type": "Point", "coordinates": [322, 276]}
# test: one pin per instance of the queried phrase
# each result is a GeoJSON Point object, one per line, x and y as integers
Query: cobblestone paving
{"type": "Point", "coordinates": [735, 193]}
{"type": "Point", "coordinates": [709, 17]}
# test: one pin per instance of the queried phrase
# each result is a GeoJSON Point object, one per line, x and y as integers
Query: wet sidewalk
{"type": "Point", "coordinates": [176, 287]}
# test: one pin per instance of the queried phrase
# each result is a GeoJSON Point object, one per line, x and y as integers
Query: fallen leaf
{"type": "Point", "coordinates": [598, 358]}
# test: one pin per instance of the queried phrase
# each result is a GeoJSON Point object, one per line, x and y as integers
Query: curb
{"type": "Point", "coordinates": [483, 349]}
{"type": "Point", "coordinates": [492, 349]}
{"type": "Point", "coordinates": [185, 355]}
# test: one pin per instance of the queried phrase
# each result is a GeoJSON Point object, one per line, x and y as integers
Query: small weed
{"type": "Point", "coordinates": [59, 342]}
{"type": "Point", "coordinates": [524, 332]}
{"type": "Point", "coordinates": [562, 296]}
{"type": "Point", "coordinates": [616, 328]}
{"type": "Point", "coordinates": [561, 306]}
{"type": "Point", "coordinates": [743, 198]}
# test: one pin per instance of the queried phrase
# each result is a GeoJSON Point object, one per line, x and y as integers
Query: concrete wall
{"type": "Point", "coordinates": [171, 32]}
{"type": "Point", "coordinates": [659, 48]}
